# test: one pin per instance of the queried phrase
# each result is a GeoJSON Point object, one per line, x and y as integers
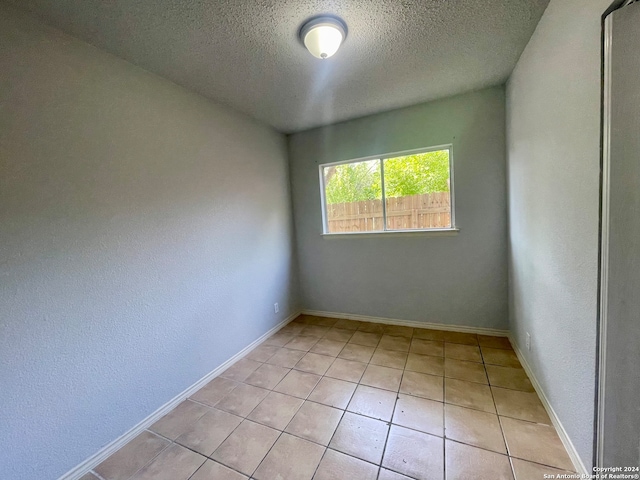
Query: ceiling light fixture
{"type": "Point", "coordinates": [323, 36]}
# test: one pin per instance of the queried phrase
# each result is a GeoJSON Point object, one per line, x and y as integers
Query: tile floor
{"type": "Point", "coordinates": [329, 399]}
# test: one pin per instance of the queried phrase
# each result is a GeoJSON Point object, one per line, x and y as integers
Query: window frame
{"type": "Point", "coordinates": [381, 158]}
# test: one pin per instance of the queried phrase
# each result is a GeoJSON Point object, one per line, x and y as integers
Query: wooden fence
{"type": "Point", "coordinates": [431, 210]}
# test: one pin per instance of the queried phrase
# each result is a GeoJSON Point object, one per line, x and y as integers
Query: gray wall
{"type": "Point", "coordinates": [145, 235]}
{"type": "Point", "coordinates": [553, 152]}
{"type": "Point", "coordinates": [454, 280]}
{"type": "Point", "coordinates": [621, 435]}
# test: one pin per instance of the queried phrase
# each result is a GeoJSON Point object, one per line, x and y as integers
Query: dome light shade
{"type": "Point", "coordinates": [323, 36]}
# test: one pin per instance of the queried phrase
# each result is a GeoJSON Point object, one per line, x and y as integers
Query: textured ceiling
{"type": "Point", "coordinates": [246, 53]}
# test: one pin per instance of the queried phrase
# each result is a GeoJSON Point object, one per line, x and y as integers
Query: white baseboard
{"type": "Point", "coordinates": [562, 433]}
{"type": "Point", "coordinates": [411, 323]}
{"type": "Point", "coordinates": [102, 454]}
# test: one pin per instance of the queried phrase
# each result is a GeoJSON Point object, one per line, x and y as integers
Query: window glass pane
{"type": "Point", "coordinates": [417, 191]}
{"type": "Point", "coordinates": [353, 195]}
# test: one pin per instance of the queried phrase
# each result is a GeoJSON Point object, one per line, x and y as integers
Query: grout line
{"type": "Point", "coordinates": [486, 449]}
{"type": "Point", "coordinates": [198, 469]}
{"type": "Point", "coordinates": [444, 420]}
{"type": "Point", "coordinates": [389, 424]}
{"type": "Point", "coordinates": [333, 434]}
{"type": "Point", "coordinates": [169, 445]}
{"type": "Point", "coordinates": [504, 438]}
{"type": "Point", "coordinates": [513, 468]}
{"type": "Point", "coordinates": [444, 451]}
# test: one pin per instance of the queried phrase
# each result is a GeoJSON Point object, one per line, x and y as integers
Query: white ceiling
{"type": "Point", "coordinates": [246, 53]}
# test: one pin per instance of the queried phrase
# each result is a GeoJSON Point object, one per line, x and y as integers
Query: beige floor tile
{"type": "Point", "coordinates": [365, 338]}
{"type": "Point", "coordinates": [315, 422]}
{"type": "Point", "coordinates": [373, 402]}
{"type": "Point", "coordinates": [278, 463]}
{"type": "Point", "coordinates": [338, 466]}
{"type": "Point", "coordinates": [425, 364]}
{"type": "Point", "coordinates": [314, 363]}
{"type": "Point", "coordinates": [314, 331]}
{"type": "Point", "coordinates": [262, 353]}
{"type": "Point", "coordinates": [462, 338]}
{"type": "Point", "coordinates": [468, 394]}
{"type": "Point", "coordinates": [209, 432]}
{"type": "Point", "coordinates": [215, 471]}
{"type": "Point", "coordinates": [240, 370]}
{"type": "Point", "coordinates": [534, 471]}
{"type": "Point", "coordinates": [300, 321]}
{"type": "Point", "coordinates": [286, 357]}
{"type": "Point", "coordinates": [267, 376]}
{"type": "Point", "coordinates": [389, 475]}
{"type": "Point", "coordinates": [534, 442]}
{"type": "Point", "coordinates": [396, 344]}
{"type": "Point", "coordinates": [494, 342]}
{"type": "Point", "coordinates": [348, 370]}
{"type": "Point", "coordinates": [420, 414]}
{"type": "Point", "coordinates": [371, 327]}
{"type": "Point", "coordinates": [389, 358]}
{"type": "Point", "coordinates": [415, 454]}
{"type": "Point", "coordinates": [328, 347]}
{"type": "Point", "coordinates": [521, 405]}
{"type": "Point", "coordinates": [174, 463]}
{"type": "Point", "coordinates": [506, 377]}
{"type": "Point", "coordinates": [245, 448]}
{"type": "Point", "coordinates": [132, 457]}
{"type": "Point", "coordinates": [462, 370]}
{"type": "Point", "coordinates": [178, 420]}
{"type": "Point", "coordinates": [423, 385]}
{"type": "Point", "coordinates": [325, 321]}
{"type": "Point", "coordinates": [313, 320]}
{"type": "Point", "coordinates": [333, 392]}
{"type": "Point", "coordinates": [469, 353]}
{"type": "Point", "coordinates": [294, 327]}
{"type": "Point", "coordinates": [398, 331]}
{"type": "Point", "coordinates": [302, 343]}
{"type": "Point", "coordinates": [357, 353]}
{"type": "Point", "coordinates": [242, 400]}
{"type": "Point", "coordinates": [339, 334]}
{"type": "Point", "coordinates": [214, 391]}
{"type": "Point", "coordinates": [453, 367]}
{"type": "Point", "coordinates": [480, 429]}
{"type": "Point", "coordinates": [382, 377]}
{"type": "Point", "coordinates": [298, 384]}
{"type": "Point", "coordinates": [498, 356]}
{"type": "Point", "coordinates": [464, 462]}
{"type": "Point", "coordinates": [429, 334]}
{"type": "Point", "coordinates": [427, 347]}
{"type": "Point", "coordinates": [279, 339]}
{"type": "Point", "coordinates": [347, 324]}
{"type": "Point", "coordinates": [360, 437]}
{"type": "Point", "coordinates": [276, 410]}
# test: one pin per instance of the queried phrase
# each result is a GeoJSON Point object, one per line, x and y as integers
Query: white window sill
{"type": "Point", "coordinates": [434, 232]}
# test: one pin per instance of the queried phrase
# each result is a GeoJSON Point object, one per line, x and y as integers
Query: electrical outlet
{"type": "Point", "coordinates": [276, 308]}
{"type": "Point", "coordinates": [528, 341]}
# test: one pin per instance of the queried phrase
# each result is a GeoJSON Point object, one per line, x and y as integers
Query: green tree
{"type": "Point", "coordinates": [409, 175]}
{"type": "Point", "coordinates": [353, 182]}
{"type": "Point", "coordinates": [417, 174]}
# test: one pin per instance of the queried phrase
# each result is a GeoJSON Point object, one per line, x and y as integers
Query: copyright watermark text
{"type": "Point", "coordinates": [600, 473]}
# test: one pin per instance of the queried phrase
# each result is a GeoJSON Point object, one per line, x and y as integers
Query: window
{"type": "Point", "coordinates": [407, 192]}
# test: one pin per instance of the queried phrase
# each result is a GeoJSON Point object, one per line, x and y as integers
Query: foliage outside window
{"type": "Point", "coordinates": [416, 189]}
